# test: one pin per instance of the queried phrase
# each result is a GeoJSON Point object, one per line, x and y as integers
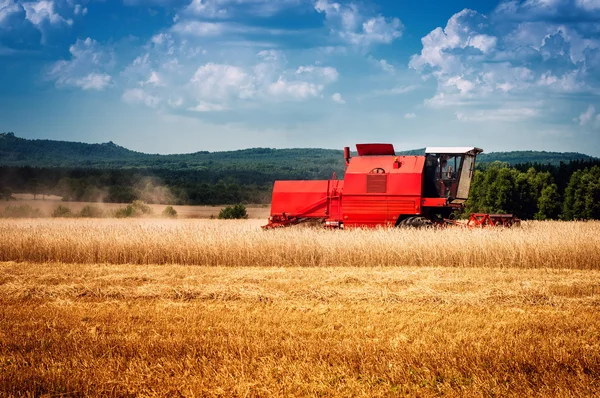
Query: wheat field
{"type": "Point", "coordinates": [573, 245]}
{"type": "Point", "coordinates": [222, 308]}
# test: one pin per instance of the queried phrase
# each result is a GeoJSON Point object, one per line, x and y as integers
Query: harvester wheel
{"type": "Point", "coordinates": [416, 222]}
{"type": "Point", "coordinates": [310, 223]}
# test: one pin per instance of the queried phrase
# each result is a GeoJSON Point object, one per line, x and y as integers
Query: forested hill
{"type": "Point", "coordinates": [16, 151]}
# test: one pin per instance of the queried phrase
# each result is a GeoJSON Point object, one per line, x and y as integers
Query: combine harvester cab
{"type": "Point", "coordinates": [383, 189]}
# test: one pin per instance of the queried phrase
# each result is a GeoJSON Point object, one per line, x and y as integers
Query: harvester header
{"type": "Point", "coordinates": [381, 188]}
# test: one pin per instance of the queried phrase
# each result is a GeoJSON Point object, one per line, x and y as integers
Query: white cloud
{"type": "Point", "coordinates": [462, 32]}
{"type": "Point", "coordinates": [231, 8]}
{"type": "Point", "coordinates": [269, 55]}
{"type": "Point", "coordinates": [589, 5]}
{"type": "Point", "coordinates": [327, 74]}
{"type": "Point", "coordinates": [175, 102]}
{"type": "Point", "coordinates": [587, 116]}
{"type": "Point", "coordinates": [139, 96]}
{"type": "Point", "coordinates": [409, 115]}
{"type": "Point", "coordinates": [351, 25]}
{"type": "Point", "coordinates": [386, 66]}
{"type": "Point", "coordinates": [475, 58]}
{"type": "Point", "coordinates": [199, 29]}
{"type": "Point", "coordinates": [337, 97]}
{"type": "Point", "coordinates": [93, 81]}
{"type": "Point", "coordinates": [294, 90]}
{"type": "Point", "coordinates": [390, 91]}
{"type": "Point", "coordinates": [80, 10]}
{"type": "Point", "coordinates": [7, 9]}
{"type": "Point", "coordinates": [502, 115]}
{"type": "Point", "coordinates": [154, 80]}
{"type": "Point", "coordinates": [173, 67]}
{"type": "Point", "coordinates": [208, 107]}
{"type": "Point", "coordinates": [547, 9]}
{"type": "Point", "coordinates": [87, 68]}
{"type": "Point", "coordinates": [43, 10]}
{"type": "Point", "coordinates": [222, 82]}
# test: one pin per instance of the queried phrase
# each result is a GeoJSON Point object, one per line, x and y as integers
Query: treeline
{"type": "Point", "coordinates": [530, 190]}
{"type": "Point", "coordinates": [125, 186]}
{"type": "Point", "coordinates": [569, 191]}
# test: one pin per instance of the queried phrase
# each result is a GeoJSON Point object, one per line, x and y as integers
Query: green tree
{"type": "Point", "coordinates": [549, 204]}
{"type": "Point", "coordinates": [582, 195]}
{"type": "Point", "coordinates": [573, 207]}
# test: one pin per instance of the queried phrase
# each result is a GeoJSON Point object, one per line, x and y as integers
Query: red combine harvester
{"type": "Point", "coordinates": [382, 189]}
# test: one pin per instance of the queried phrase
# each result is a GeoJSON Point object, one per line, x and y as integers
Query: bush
{"type": "Point", "coordinates": [91, 212]}
{"type": "Point", "coordinates": [5, 193]}
{"type": "Point", "coordinates": [236, 212]}
{"type": "Point", "coordinates": [62, 211]}
{"type": "Point", "coordinates": [23, 211]}
{"type": "Point", "coordinates": [136, 209]}
{"type": "Point", "coordinates": [124, 212]}
{"type": "Point", "coordinates": [169, 212]}
{"type": "Point", "coordinates": [141, 208]}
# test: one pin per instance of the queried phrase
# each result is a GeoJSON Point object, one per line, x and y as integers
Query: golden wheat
{"type": "Point", "coordinates": [574, 245]}
{"type": "Point", "coordinates": [118, 330]}
{"type": "Point", "coordinates": [113, 308]}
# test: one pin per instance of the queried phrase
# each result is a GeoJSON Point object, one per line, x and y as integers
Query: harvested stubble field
{"type": "Point", "coordinates": [46, 207]}
{"type": "Point", "coordinates": [221, 308]}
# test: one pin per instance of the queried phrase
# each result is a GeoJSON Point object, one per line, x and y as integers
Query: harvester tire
{"type": "Point", "coordinates": [416, 222]}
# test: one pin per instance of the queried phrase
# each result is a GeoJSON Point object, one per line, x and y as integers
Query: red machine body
{"type": "Point", "coordinates": [380, 188]}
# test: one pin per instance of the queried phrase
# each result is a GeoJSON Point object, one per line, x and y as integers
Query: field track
{"type": "Point", "coordinates": [215, 308]}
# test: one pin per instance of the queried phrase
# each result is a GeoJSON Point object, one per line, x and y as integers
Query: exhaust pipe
{"type": "Point", "coordinates": [347, 154]}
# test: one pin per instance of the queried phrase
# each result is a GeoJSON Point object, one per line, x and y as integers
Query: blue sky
{"type": "Point", "coordinates": [178, 76]}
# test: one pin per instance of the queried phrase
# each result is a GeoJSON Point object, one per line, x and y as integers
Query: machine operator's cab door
{"type": "Point", "coordinates": [449, 172]}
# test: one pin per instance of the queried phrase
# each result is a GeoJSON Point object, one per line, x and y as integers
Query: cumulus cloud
{"type": "Point", "coordinates": [173, 69]}
{"type": "Point", "coordinates": [222, 82]}
{"type": "Point", "coordinates": [39, 12]}
{"type": "Point", "coordinates": [154, 80]}
{"type": "Point", "coordinates": [294, 90]}
{"type": "Point", "coordinates": [337, 97]}
{"type": "Point", "coordinates": [93, 81]}
{"type": "Point", "coordinates": [8, 8]}
{"type": "Point", "coordinates": [553, 10]}
{"type": "Point", "coordinates": [87, 68]}
{"type": "Point", "coordinates": [17, 33]}
{"type": "Point", "coordinates": [139, 96]}
{"type": "Point", "coordinates": [351, 25]}
{"type": "Point", "coordinates": [409, 115]}
{"type": "Point", "coordinates": [519, 50]}
{"type": "Point", "coordinates": [586, 117]}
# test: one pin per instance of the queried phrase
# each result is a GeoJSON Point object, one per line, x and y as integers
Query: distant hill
{"type": "Point", "coordinates": [16, 151]}
{"type": "Point", "coordinates": [541, 157]}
